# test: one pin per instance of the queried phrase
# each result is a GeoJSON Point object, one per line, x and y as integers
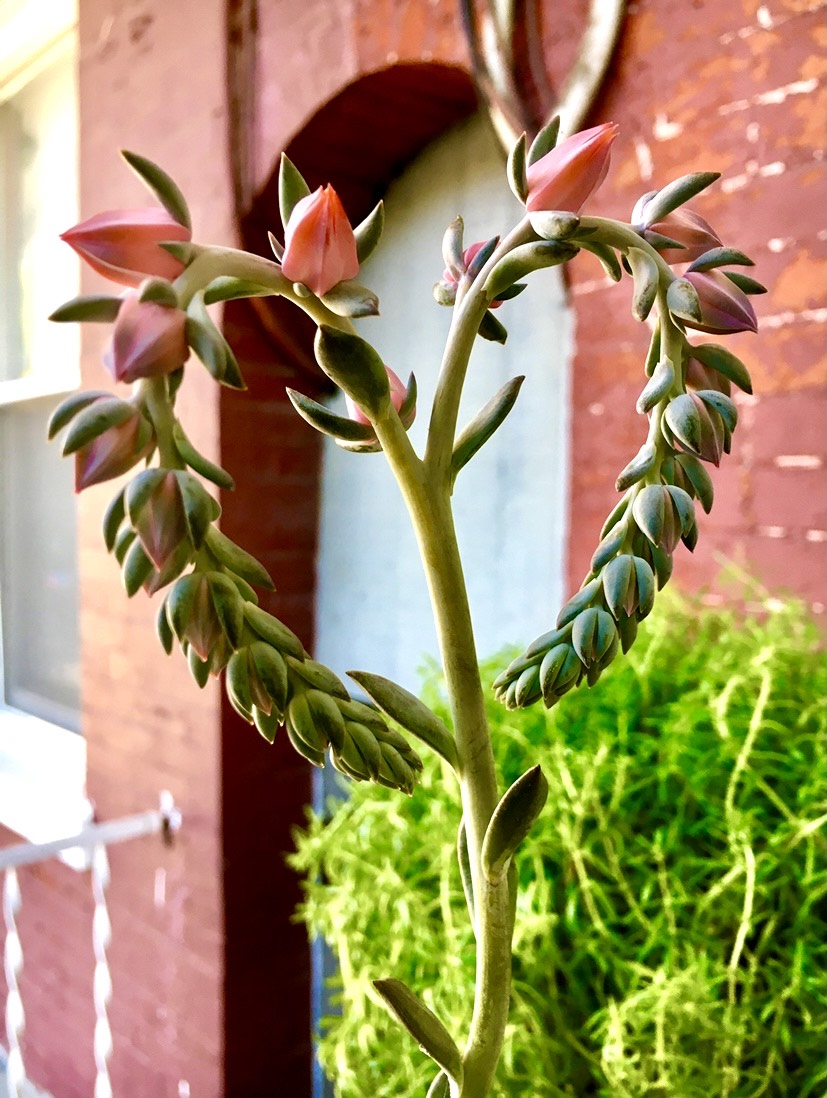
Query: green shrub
{"type": "Point", "coordinates": [670, 938]}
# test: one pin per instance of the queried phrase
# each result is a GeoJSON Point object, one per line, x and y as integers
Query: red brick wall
{"type": "Point", "coordinates": [736, 87]}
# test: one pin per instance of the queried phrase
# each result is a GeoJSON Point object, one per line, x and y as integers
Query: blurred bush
{"type": "Point", "coordinates": [670, 933]}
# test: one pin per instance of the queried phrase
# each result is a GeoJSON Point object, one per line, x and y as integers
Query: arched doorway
{"type": "Point", "coordinates": [371, 602]}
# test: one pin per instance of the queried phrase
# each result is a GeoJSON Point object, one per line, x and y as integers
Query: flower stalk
{"type": "Point", "coordinates": [161, 527]}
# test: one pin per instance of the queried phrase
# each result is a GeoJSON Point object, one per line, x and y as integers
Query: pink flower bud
{"type": "Point", "coordinates": [449, 281]}
{"type": "Point", "coordinates": [148, 340]}
{"type": "Point", "coordinates": [724, 307]}
{"type": "Point", "coordinates": [113, 452]}
{"type": "Point", "coordinates": [124, 244]}
{"type": "Point", "coordinates": [161, 524]}
{"type": "Point", "coordinates": [689, 229]}
{"type": "Point", "coordinates": [319, 245]}
{"type": "Point", "coordinates": [567, 175]}
{"type": "Point", "coordinates": [397, 387]}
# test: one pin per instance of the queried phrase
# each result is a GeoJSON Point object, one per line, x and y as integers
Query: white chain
{"type": "Point", "coordinates": [13, 964]}
{"type": "Point", "coordinates": [101, 937]}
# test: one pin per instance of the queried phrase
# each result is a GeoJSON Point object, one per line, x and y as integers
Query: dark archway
{"type": "Point", "coordinates": [359, 141]}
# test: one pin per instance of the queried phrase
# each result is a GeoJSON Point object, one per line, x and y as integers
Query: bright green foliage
{"type": "Point", "coordinates": [670, 926]}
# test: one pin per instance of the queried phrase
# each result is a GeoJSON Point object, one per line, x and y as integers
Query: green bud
{"type": "Point", "coordinates": [355, 367]}
{"type": "Point", "coordinates": [592, 634]}
{"type": "Point", "coordinates": [273, 631]}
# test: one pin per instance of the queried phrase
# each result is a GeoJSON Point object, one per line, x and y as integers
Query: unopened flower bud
{"type": "Point", "coordinates": [148, 340]}
{"type": "Point", "coordinates": [398, 394]}
{"type": "Point", "coordinates": [319, 245]}
{"type": "Point", "coordinates": [446, 289]}
{"type": "Point", "coordinates": [113, 452]}
{"type": "Point", "coordinates": [724, 307]}
{"type": "Point", "coordinates": [124, 245]}
{"type": "Point", "coordinates": [689, 229]}
{"type": "Point", "coordinates": [564, 178]}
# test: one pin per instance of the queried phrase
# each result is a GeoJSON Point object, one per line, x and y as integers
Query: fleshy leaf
{"type": "Point", "coordinates": [292, 188]}
{"type": "Point", "coordinates": [165, 189]}
{"type": "Point", "coordinates": [423, 1025]}
{"type": "Point", "coordinates": [474, 436]}
{"type": "Point", "coordinates": [96, 308]}
{"type": "Point", "coordinates": [513, 817]}
{"type": "Point", "coordinates": [676, 194]}
{"type": "Point", "coordinates": [408, 711]}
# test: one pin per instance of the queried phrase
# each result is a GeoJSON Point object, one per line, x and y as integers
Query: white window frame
{"type": "Point", "coordinates": [42, 765]}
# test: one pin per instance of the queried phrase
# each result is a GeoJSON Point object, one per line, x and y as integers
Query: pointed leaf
{"type": "Point", "coordinates": [474, 436]}
{"type": "Point", "coordinates": [513, 817]}
{"type": "Point", "coordinates": [720, 257]}
{"type": "Point", "coordinates": [491, 329]}
{"type": "Point", "coordinates": [238, 560]}
{"type": "Point", "coordinates": [97, 308]}
{"type": "Point", "coordinates": [408, 711]}
{"type": "Point", "coordinates": [69, 408]}
{"type": "Point", "coordinates": [638, 467]}
{"type": "Point", "coordinates": [440, 1087]}
{"type": "Point", "coordinates": [423, 1025]}
{"type": "Point", "coordinates": [198, 462]}
{"type": "Point", "coordinates": [292, 188]}
{"type": "Point", "coordinates": [112, 519]}
{"type": "Point", "coordinates": [516, 169]}
{"type": "Point", "coordinates": [676, 194]}
{"type": "Point", "coordinates": [725, 362]}
{"type": "Point", "coordinates": [657, 387]}
{"type": "Point", "coordinates": [464, 862]}
{"type": "Point", "coordinates": [328, 422]}
{"type": "Point", "coordinates": [545, 140]}
{"type": "Point", "coordinates": [368, 233]}
{"type": "Point", "coordinates": [745, 283]}
{"type": "Point", "coordinates": [94, 419]}
{"type": "Point", "coordinates": [161, 185]}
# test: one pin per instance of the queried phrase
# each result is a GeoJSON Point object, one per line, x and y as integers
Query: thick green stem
{"type": "Point", "coordinates": [430, 512]}
{"type": "Point", "coordinates": [155, 394]}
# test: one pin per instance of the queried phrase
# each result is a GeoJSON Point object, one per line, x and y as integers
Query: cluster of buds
{"type": "Point", "coordinates": [687, 398]}
{"type": "Point", "coordinates": [161, 526]}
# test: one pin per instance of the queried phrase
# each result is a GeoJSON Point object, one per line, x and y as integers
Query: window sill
{"type": "Point", "coordinates": [42, 780]}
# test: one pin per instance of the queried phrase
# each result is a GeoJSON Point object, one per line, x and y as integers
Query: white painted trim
{"type": "Point", "coordinates": [42, 778]}
{"type": "Point", "coordinates": [32, 31]}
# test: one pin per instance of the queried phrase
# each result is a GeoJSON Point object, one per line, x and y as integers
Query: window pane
{"type": "Point", "coordinates": [38, 568]}
{"type": "Point", "coordinates": [38, 189]}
